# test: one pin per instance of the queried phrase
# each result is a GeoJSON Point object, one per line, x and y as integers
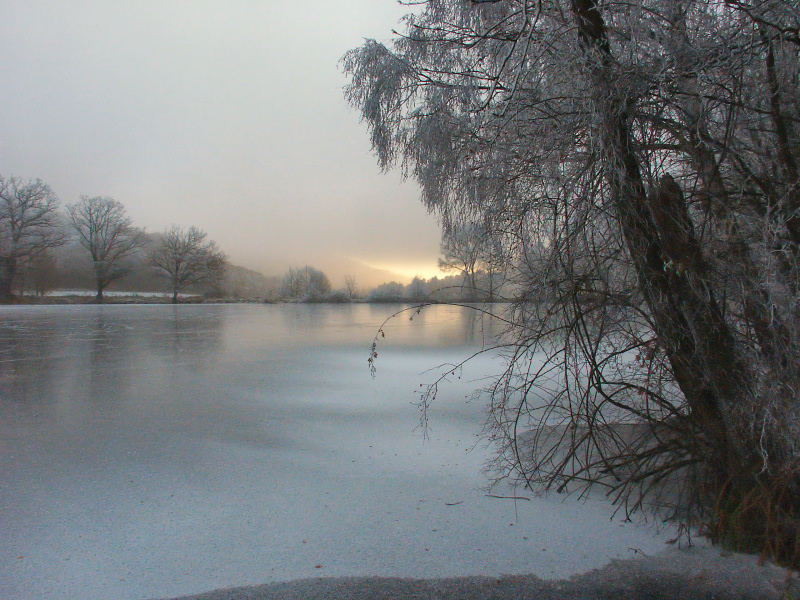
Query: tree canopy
{"type": "Point", "coordinates": [107, 232]}
{"type": "Point", "coordinates": [305, 283]}
{"type": "Point", "coordinates": [638, 164]}
{"type": "Point", "coordinates": [185, 258]}
{"type": "Point", "coordinates": [29, 225]}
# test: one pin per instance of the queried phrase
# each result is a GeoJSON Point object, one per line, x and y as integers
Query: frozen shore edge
{"type": "Point", "coordinates": [694, 573]}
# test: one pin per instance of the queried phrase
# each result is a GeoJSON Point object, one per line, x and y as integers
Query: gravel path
{"type": "Point", "coordinates": [697, 573]}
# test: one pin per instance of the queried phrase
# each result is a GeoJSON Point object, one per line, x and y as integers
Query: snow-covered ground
{"type": "Point", "coordinates": [677, 573]}
{"type": "Point", "coordinates": [109, 293]}
{"type": "Point", "coordinates": [156, 450]}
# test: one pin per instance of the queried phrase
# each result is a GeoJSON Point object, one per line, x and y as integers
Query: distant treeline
{"type": "Point", "coordinates": [71, 270]}
{"type": "Point", "coordinates": [308, 284]}
{"type": "Point", "coordinates": [92, 244]}
{"type": "Point", "coordinates": [480, 265]}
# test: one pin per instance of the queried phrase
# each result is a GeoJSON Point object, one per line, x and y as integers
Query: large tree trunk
{"type": "Point", "coordinates": [668, 260]}
{"type": "Point", "coordinates": [175, 296]}
{"type": "Point", "coordinates": [791, 201]}
{"type": "Point", "coordinates": [100, 279]}
{"type": "Point", "coordinates": [7, 272]}
{"type": "Point", "coordinates": [752, 505]}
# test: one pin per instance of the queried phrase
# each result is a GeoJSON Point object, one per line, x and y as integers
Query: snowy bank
{"type": "Point", "coordinates": [677, 573]}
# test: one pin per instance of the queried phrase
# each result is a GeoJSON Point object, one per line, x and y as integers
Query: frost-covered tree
{"type": "Point", "coordinates": [184, 257]}
{"type": "Point", "coordinates": [417, 290]}
{"type": "Point", "coordinates": [351, 287]}
{"type": "Point", "coordinates": [292, 284]}
{"type": "Point", "coordinates": [461, 252]}
{"type": "Point", "coordinates": [29, 225]}
{"type": "Point", "coordinates": [638, 163]}
{"type": "Point", "coordinates": [318, 283]}
{"type": "Point", "coordinates": [391, 291]}
{"type": "Point", "coordinates": [306, 283]}
{"type": "Point", "coordinates": [477, 255]}
{"type": "Point", "coordinates": [107, 232]}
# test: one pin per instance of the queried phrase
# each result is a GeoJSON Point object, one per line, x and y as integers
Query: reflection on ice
{"type": "Point", "coordinates": [162, 450]}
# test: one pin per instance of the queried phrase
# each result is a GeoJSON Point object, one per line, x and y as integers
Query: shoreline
{"type": "Point", "coordinates": [696, 572]}
{"type": "Point", "coordinates": [152, 298]}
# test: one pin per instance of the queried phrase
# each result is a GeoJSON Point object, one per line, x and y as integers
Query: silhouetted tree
{"type": "Point", "coordinates": [29, 225]}
{"type": "Point", "coordinates": [640, 164]}
{"type": "Point", "coordinates": [106, 231]}
{"type": "Point", "coordinates": [306, 283]}
{"type": "Point", "coordinates": [461, 252]}
{"type": "Point", "coordinates": [416, 290]}
{"type": "Point", "coordinates": [477, 255]}
{"type": "Point", "coordinates": [186, 258]}
{"type": "Point", "coordinates": [351, 287]}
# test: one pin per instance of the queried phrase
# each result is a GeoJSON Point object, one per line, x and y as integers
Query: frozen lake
{"type": "Point", "coordinates": [153, 451]}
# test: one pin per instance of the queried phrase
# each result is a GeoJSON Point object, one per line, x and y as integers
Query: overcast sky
{"type": "Point", "coordinates": [226, 115]}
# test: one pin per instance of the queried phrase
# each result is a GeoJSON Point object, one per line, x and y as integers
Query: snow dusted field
{"type": "Point", "coordinates": [108, 293]}
{"type": "Point", "coordinates": [155, 451]}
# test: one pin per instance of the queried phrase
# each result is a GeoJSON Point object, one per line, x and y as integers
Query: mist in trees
{"type": "Point", "coordinates": [41, 274]}
{"type": "Point", "coordinates": [391, 291]}
{"type": "Point", "coordinates": [94, 244]}
{"type": "Point", "coordinates": [107, 233]}
{"type": "Point", "coordinates": [29, 226]}
{"type": "Point", "coordinates": [471, 251]}
{"type": "Point", "coordinates": [306, 283]}
{"type": "Point", "coordinates": [637, 163]}
{"type": "Point", "coordinates": [184, 257]}
{"type": "Point", "coordinates": [461, 252]}
{"type": "Point", "coordinates": [351, 287]}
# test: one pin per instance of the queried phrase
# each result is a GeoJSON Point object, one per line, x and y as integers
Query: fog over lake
{"type": "Point", "coordinates": [153, 451]}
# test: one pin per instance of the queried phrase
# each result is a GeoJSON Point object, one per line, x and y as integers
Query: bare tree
{"type": "Point", "coordinates": [106, 231]}
{"type": "Point", "coordinates": [292, 285]}
{"type": "Point", "coordinates": [416, 291]}
{"type": "Point", "coordinates": [351, 287]}
{"type": "Point", "coordinates": [318, 283]}
{"type": "Point", "coordinates": [461, 252]}
{"type": "Point", "coordinates": [391, 291]}
{"type": "Point", "coordinates": [494, 262]}
{"type": "Point", "coordinates": [477, 255]}
{"type": "Point", "coordinates": [306, 283]}
{"type": "Point", "coordinates": [29, 225]}
{"type": "Point", "coordinates": [41, 273]}
{"type": "Point", "coordinates": [186, 258]}
{"type": "Point", "coordinates": [640, 162]}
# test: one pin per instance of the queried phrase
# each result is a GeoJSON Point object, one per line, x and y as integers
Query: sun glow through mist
{"type": "Point", "coordinates": [405, 272]}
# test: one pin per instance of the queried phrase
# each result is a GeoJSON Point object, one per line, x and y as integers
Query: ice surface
{"type": "Point", "coordinates": [153, 451]}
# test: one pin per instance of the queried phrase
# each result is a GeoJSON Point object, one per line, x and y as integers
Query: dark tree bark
{"type": "Point", "coordinates": [689, 321]}
{"type": "Point", "coordinates": [108, 235]}
{"type": "Point", "coordinates": [639, 160]}
{"type": "Point", "coordinates": [28, 227]}
{"type": "Point", "coordinates": [7, 272]}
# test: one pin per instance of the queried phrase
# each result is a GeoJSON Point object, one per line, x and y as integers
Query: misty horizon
{"type": "Point", "coordinates": [229, 118]}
